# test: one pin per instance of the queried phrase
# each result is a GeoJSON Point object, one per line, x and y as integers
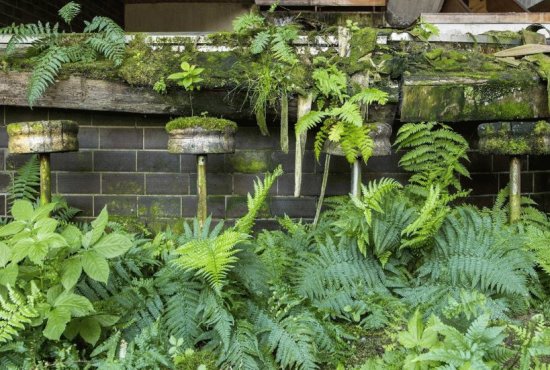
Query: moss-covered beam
{"type": "Point", "coordinates": [455, 97]}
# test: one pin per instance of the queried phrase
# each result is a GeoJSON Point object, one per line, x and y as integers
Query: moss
{"type": "Point", "coordinates": [362, 43]}
{"type": "Point", "coordinates": [208, 123]}
{"type": "Point", "coordinates": [542, 128]}
{"type": "Point", "coordinates": [251, 161]}
{"type": "Point", "coordinates": [515, 138]}
{"type": "Point", "coordinates": [191, 359]}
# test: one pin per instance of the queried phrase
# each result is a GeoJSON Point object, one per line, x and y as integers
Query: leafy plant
{"type": "Point", "coordinates": [189, 76]}
{"type": "Point", "coordinates": [55, 48]}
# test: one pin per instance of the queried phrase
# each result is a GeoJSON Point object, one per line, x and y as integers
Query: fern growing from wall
{"type": "Point", "coordinates": [25, 183]}
{"type": "Point", "coordinates": [55, 48]}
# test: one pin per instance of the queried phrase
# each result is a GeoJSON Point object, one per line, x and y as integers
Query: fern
{"type": "Point", "coordinates": [16, 311]}
{"type": "Point", "coordinates": [69, 11]}
{"type": "Point", "coordinates": [247, 22]}
{"type": "Point", "coordinates": [26, 182]}
{"type": "Point", "coordinates": [243, 352]}
{"type": "Point", "coordinates": [107, 38]}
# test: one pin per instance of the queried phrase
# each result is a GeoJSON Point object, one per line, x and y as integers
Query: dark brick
{"type": "Point", "coordinates": [115, 161]}
{"type": "Point", "coordinates": [154, 207]}
{"type": "Point", "coordinates": [88, 137]}
{"type": "Point", "coordinates": [480, 201]}
{"type": "Point", "coordinates": [260, 225]}
{"type": "Point", "coordinates": [216, 206]}
{"type": "Point", "coordinates": [167, 184]}
{"type": "Point", "coordinates": [24, 114]}
{"type": "Point", "coordinates": [402, 178]}
{"type": "Point", "coordinates": [83, 118]}
{"type": "Point", "coordinates": [237, 207]}
{"type": "Point", "coordinates": [337, 164]}
{"type": "Point", "coordinates": [481, 184]}
{"type": "Point", "coordinates": [539, 163]}
{"type": "Point", "coordinates": [526, 181]}
{"type": "Point", "coordinates": [15, 161]}
{"type": "Point", "coordinates": [311, 184]}
{"type": "Point", "coordinates": [121, 138]}
{"type": "Point", "coordinates": [542, 182]}
{"type": "Point", "coordinates": [287, 161]}
{"type": "Point", "coordinates": [82, 202]}
{"type": "Point", "coordinates": [155, 138]}
{"type": "Point", "coordinates": [293, 207]}
{"type": "Point", "coordinates": [116, 205]}
{"type": "Point", "coordinates": [215, 163]}
{"type": "Point", "coordinates": [244, 183]}
{"type": "Point", "coordinates": [542, 200]}
{"type": "Point", "coordinates": [123, 183]}
{"type": "Point", "coordinates": [216, 184]}
{"type": "Point", "coordinates": [501, 163]}
{"type": "Point", "coordinates": [153, 161]}
{"type": "Point", "coordinates": [3, 207]}
{"type": "Point", "coordinates": [2, 161]}
{"type": "Point", "coordinates": [149, 120]}
{"type": "Point", "coordinates": [78, 183]}
{"type": "Point", "coordinates": [250, 138]}
{"type": "Point", "coordinates": [249, 161]}
{"type": "Point", "coordinates": [5, 182]}
{"type": "Point", "coordinates": [386, 163]}
{"type": "Point", "coordinates": [72, 161]}
{"type": "Point", "coordinates": [3, 137]}
{"type": "Point", "coordinates": [113, 119]}
{"type": "Point", "coordinates": [479, 162]}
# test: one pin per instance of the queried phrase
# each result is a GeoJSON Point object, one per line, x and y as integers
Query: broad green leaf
{"type": "Point", "coordinates": [72, 269]}
{"type": "Point", "coordinates": [98, 227]}
{"type": "Point", "coordinates": [8, 275]}
{"type": "Point", "coordinates": [75, 304]}
{"type": "Point", "coordinates": [37, 252]}
{"type": "Point", "coordinates": [46, 226]}
{"type": "Point", "coordinates": [22, 210]}
{"type": "Point", "coordinates": [113, 245]}
{"type": "Point", "coordinates": [95, 266]}
{"type": "Point", "coordinates": [73, 236]}
{"type": "Point", "coordinates": [11, 228]}
{"type": "Point", "coordinates": [57, 321]}
{"type": "Point", "coordinates": [90, 330]}
{"type": "Point", "coordinates": [43, 211]}
{"type": "Point", "coordinates": [5, 254]}
{"type": "Point", "coordinates": [21, 249]}
{"type": "Point", "coordinates": [107, 320]}
{"type": "Point", "coordinates": [53, 240]}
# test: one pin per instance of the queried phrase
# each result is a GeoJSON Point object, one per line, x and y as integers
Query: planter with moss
{"type": "Point", "coordinates": [43, 138]}
{"type": "Point", "coordinates": [201, 135]}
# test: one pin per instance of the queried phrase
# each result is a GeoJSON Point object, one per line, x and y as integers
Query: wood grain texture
{"type": "Point", "coordinates": [96, 95]}
{"type": "Point", "coordinates": [403, 13]}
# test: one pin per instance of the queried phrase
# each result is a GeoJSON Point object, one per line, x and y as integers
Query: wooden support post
{"type": "Point", "coordinates": [356, 178]}
{"type": "Point", "coordinates": [201, 189]}
{"type": "Point", "coordinates": [304, 107]}
{"type": "Point", "coordinates": [323, 190]}
{"type": "Point", "coordinates": [515, 189]}
{"type": "Point", "coordinates": [45, 179]}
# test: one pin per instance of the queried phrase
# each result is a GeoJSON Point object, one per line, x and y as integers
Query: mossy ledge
{"type": "Point", "coordinates": [207, 123]}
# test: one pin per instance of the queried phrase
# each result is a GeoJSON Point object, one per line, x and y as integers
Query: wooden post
{"type": "Point", "coordinates": [356, 178]}
{"type": "Point", "coordinates": [201, 189]}
{"type": "Point", "coordinates": [304, 107]}
{"type": "Point", "coordinates": [45, 179]}
{"type": "Point", "coordinates": [515, 189]}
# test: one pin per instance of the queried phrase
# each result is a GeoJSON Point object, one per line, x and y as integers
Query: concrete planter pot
{"type": "Point", "coordinates": [380, 133]}
{"type": "Point", "coordinates": [43, 137]}
{"type": "Point", "coordinates": [199, 141]}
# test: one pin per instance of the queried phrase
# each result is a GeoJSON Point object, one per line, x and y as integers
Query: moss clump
{"type": "Point", "coordinates": [208, 123]}
{"type": "Point", "coordinates": [515, 138]}
{"type": "Point", "coordinates": [362, 43]}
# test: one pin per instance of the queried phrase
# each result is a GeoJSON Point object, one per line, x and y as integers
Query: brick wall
{"type": "Point", "coordinates": [30, 11]}
{"type": "Point", "coordinates": [123, 163]}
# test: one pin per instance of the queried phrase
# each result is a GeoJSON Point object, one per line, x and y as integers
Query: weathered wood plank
{"type": "Point", "coordinates": [324, 2]}
{"type": "Point", "coordinates": [97, 95]}
{"type": "Point", "coordinates": [492, 18]}
{"type": "Point", "coordinates": [503, 96]}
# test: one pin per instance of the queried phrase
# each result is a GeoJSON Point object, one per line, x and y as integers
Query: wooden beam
{"type": "Point", "coordinates": [81, 93]}
{"type": "Point", "coordinates": [486, 18]}
{"type": "Point", "coordinates": [324, 2]}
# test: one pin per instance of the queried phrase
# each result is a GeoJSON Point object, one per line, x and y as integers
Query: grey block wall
{"type": "Point", "coordinates": [123, 164]}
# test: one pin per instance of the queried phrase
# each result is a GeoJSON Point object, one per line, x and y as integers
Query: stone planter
{"type": "Point", "coordinates": [197, 140]}
{"type": "Point", "coordinates": [380, 133]}
{"type": "Point", "coordinates": [43, 137]}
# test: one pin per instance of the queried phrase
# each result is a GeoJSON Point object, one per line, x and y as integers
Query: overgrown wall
{"type": "Point", "coordinates": [123, 163]}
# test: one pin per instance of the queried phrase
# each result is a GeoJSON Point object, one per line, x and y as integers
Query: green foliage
{"type": "Point", "coordinates": [102, 37]}
{"type": "Point", "coordinates": [208, 123]}
{"type": "Point", "coordinates": [189, 76]}
{"type": "Point", "coordinates": [16, 311]}
{"type": "Point", "coordinates": [25, 183]}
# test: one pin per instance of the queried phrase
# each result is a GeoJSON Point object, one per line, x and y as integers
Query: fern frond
{"type": "Point", "coordinates": [46, 70]}
{"type": "Point", "coordinates": [260, 42]}
{"type": "Point", "coordinates": [69, 11]}
{"type": "Point", "coordinates": [26, 181]}
{"type": "Point", "coordinates": [108, 38]}
{"type": "Point", "coordinates": [309, 121]}
{"type": "Point", "coordinates": [244, 351]}
{"type": "Point", "coordinates": [370, 95]}
{"type": "Point", "coordinates": [16, 311]}
{"type": "Point", "coordinates": [247, 22]}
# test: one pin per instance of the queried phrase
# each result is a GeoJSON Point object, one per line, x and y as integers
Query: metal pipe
{"type": "Point", "coordinates": [45, 179]}
{"type": "Point", "coordinates": [201, 189]}
{"type": "Point", "coordinates": [515, 189]}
